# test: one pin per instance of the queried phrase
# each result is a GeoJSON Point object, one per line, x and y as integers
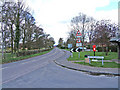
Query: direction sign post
{"type": "Point", "coordinates": [78, 42]}
{"type": "Point", "coordinates": [75, 50]}
{"type": "Point", "coordinates": [71, 52]}
{"type": "Point", "coordinates": [79, 54]}
{"type": "Point", "coordinates": [78, 50]}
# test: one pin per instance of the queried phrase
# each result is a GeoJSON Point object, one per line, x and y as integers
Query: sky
{"type": "Point", "coordinates": [54, 16]}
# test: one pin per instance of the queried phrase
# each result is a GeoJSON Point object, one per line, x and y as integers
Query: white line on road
{"type": "Point", "coordinates": [3, 68]}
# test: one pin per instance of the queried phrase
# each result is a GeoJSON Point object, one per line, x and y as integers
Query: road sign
{"type": "Point", "coordinates": [78, 40]}
{"type": "Point", "coordinates": [75, 50]}
{"type": "Point", "coordinates": [71, 50]}
{"type": "Point", "coordinates": [78, 49]}
{"type": "Point", "coordinates": [78, 44]}
{"type": "Point", "coordinates": [69, 45]}
{"type": "Point", "coordinates": [78, 34]}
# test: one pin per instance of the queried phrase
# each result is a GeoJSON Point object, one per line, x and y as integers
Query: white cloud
{"type": "Point", "coordinates": [111, 15]}
{"type": "Point", "coordinates": [51, 13]}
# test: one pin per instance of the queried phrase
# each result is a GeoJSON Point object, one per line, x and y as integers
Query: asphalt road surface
{"type": "Point", "coordinates": [42, 72]}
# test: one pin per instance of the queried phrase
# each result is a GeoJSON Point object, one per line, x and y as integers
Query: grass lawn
{"type": "Point", "coordinates": [99, 64]}
{"type": "Point", "coordinates": [12, 57]}
{"type": "Point", "coordinates": [111, 55]}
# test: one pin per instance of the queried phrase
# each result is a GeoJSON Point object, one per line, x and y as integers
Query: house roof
{"type": "Point", "coordinates": [116, 40]}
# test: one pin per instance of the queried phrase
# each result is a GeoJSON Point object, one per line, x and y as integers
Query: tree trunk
{"type": "Point", "coordinates": [14, 48]}
{"type": "Point", "coordinates": [17, 35]}
{"type": "Point", "coordinates": [5, 46]}
{"type": "Point", "coordinates": [119, 51]}
{"type": "Point", "coordinates": [83, 36]}
{"type": "Point", "coordinates": [102, 48]}
{"type": "Point", "coordinates": [2, 41]}
{"type": "Point", "coordinates": [106, 50]}
{"type": "Point", "coordinates": [11, 39]}
{"type": "Point", "coordinates": [90, 46]}
{"type": "Point", "coordinates": [24, 41]}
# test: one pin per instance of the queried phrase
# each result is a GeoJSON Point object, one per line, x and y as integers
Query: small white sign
{"type": "Point", "coordinates": [69, 45]}
{"type": "Point", "coordinates": [78, 44]}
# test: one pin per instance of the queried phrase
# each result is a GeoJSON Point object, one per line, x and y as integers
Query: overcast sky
{"type": "Point", "coordinates": [55, 15]}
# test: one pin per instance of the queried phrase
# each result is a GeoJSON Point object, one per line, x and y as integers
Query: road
{"type": "Point", "coordinates": [42, 72]}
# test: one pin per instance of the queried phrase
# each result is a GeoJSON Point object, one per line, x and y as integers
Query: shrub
{"type": "Point", "coordinates": [30, 52]}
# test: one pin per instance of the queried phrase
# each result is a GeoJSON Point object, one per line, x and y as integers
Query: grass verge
{"type": "Point", "coordinates": [111, 55]}
{"type": "Point", "coordinates": [12, 57]}
{"type": "Point", "coordinates": [99, 64]}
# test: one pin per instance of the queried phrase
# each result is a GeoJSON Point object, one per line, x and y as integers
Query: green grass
{"type": "Point", "coordinates": [12, 57]}
{"type": "Point", "coordinates": [99, 64]}
{"type": "Point", "coordinates": [111, 55]}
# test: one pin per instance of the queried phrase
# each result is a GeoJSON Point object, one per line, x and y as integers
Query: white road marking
{"type": "Point", "coordinates": [3, 68]}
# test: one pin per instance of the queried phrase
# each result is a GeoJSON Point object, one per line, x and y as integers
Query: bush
{"type": "Point", "coordinates": [30, 52]}
{"type": "Point", "coordinates": [62, 47]}
{"type": "Point", "coordinates": [99, 49]}
{"type": "Point", "coordinates": [88, 46]}
{"type": "Point", "coordinates": [112, 48]}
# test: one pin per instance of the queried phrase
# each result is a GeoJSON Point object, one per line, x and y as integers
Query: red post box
{"type": "Point", "coordinates": [94, 49]}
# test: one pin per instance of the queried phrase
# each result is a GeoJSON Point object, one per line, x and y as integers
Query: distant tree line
{"type": "Point", "coordinates": [19, 29]}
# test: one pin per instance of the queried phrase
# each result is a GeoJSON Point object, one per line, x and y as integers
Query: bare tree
{"type": "Point", "coordinates": [80, 23]}
{"type": "Point", "coordinates": [60, 42]}
{"type": "Point", "coordinates": [102, 34]}
{"type": "Point", "coordinates": [51, 42]}
{"type": "Point", "coordinates": [18, 26]}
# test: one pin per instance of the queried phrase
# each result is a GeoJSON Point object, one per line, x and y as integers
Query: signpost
{"type": "Point", "coordinates": [75, 50]}
{"type": "Point", "coordinates": [71, 52]}
{"type": "Point", "coordinates": [69, 45]}
{"type": "Point", "coordinates": [94, 49]}
{"type": "Point", "coordinates": [78, 42]}
{"type": "Point", "coordinates": [78, 50]}
{"type": "Point", "coordinates": [78, 34]}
